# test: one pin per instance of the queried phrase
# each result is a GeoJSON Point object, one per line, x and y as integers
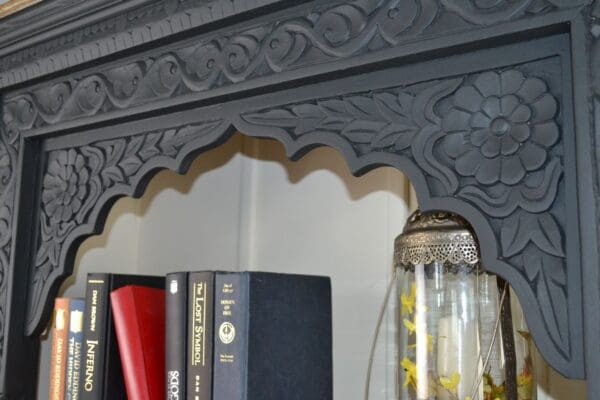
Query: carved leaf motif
{"type": "Point", "coordinates": [533, 199]}
{"type": "Point", "coordinates": [382, 120]}
{"type": "Point", "coordinates": [540, 229]}
{"type": "Point", "coordinates": [425, 116]}
{"type": "Point", "coordinates": [547, 275]}
{"type": "Point", "coordinates": [110, 162]}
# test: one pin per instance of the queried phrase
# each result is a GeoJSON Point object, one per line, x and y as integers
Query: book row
{"type": "Point", "coordinates": [206, 335]}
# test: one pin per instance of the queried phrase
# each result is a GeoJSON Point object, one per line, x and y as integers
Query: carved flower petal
{"type": "Point", "coordinates": [531, 89]}
{"type": "Point", "coordinates": [71, 155]}
{"type": "Point", "coordinates": [491, 107]}
{"type": "Point", "coordinates": [511, 81]}
{"type": "Point", "coordinates": [67, 213]}
{"type": "Point", "coordinates": [532, 156]}
{"type": "Point", "coordinates": [480, 120]}
{"type": "Point", "coordinates": [491, 148]}
{"type": "Point", "coordinates": [508, 104]}
{"type": "Point", "coordinates": [520, 132]}
{"type": "Point", "coordinates": [81, 192]}
{"type": "Point", "coordinates": [489, 171]}
{"type": "Point", "coordinates": [456, 120]}
{"type": "Point", "coordinates": [488, 84]}
{"type": "Point", "coordinates": [51, 181]}
{"type": "Point", "coordinates": [512, 171]}
{"type": "Point", "coordinates": [84, 175]}
{"type": "Point", "coordinates": [51, 206]}
{"type": "Point", "coordinates": [47, 196]}
{"type": "Point", "coordinates": [58, 211]}
{"type": "Point", "coordinates": [54, 169]}
{"type": "Point", "coordinates": [544, 108]}
{"type": "Point", "coordinates": [468, 98]}
{"type": "Point", "coordinates": [509, 145]}
{"type": "Point", "coordinates": [545, 134]}
{"type": "Point", "coordinates": [521, 114]}
{"type": "Point", "coordinates": [454, 144]}
{"type": "Point", "coordinates": [75, 204]}
{"type": "Point", "coordinates": [479, 136]}
{"type": "Point", "coordinates": [468, 163]}
{"type": "Point", "coordinates": [79, 162]}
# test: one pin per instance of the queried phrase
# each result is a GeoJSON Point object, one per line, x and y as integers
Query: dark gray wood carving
{"type": "Point", "coordinates": [490, 107]}
{"type": "Point", "coordinates": [78, 183]}
{"type": "Point", "coordinates": [9, 150]}
{"type": "Point", "coordinates": [321, 34]}
{"type": "Point", "coordinates": [491, 140]}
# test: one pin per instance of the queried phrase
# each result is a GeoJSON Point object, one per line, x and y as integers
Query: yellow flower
{"type": "Point", "coordinates": [523, 380]}
{"type": "Point", "coordinates": [408, 302]}
{"type": "Point", "coordinates": [410, 325]}
{"type": "Point", "coordinates": [411, 372]}
{"type": "Point", "coordinates": [450, 384]}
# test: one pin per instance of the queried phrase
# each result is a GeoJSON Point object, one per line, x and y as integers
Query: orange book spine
{"type": "Point", "coordinates": [58, 360]}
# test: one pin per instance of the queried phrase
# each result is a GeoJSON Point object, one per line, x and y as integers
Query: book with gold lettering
{"type": "Point", "coordinates": [272, 337]}
{"type": "Point", "coordinates": [200, 335]}
{"type": "Point", "coordinates": [102, 374]}
{"type": "Point", "coordinates": [74, 349]}
{"type": "Point", "coordinates": [58, 360]}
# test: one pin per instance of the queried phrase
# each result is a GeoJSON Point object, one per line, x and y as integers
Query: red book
{"type": "Point", "coordinates": [139, 317]}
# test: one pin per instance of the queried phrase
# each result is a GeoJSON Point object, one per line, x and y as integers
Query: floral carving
{"type": "Point", "coordinates": [65, 186]}
{"type": "Point", "coordinates": [76, 178]}
{"type": "Point", "coordinates": [339, 31]}
{"type": "Point", "coordinates": [500, 127]}
{"type": "Point", "coordinates": [487, 138]}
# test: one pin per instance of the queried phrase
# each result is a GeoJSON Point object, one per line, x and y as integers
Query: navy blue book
{"type": "Point", "coordinates": [74, 349]}
{"type": "Point", "coordinates": [272, 337]}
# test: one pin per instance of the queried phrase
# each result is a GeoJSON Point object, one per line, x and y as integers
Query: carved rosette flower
{"type": "Point", "coordinates": [65, 186]}
{"type": "Point", "coordinates": [500, 127]}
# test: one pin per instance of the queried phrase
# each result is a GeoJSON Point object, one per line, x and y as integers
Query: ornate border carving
{"type": "Point", "coordinates": [9, 154]}
{"type": "Point", "coordinates": [492, 140]}
{"type": "Point", "coordinates": [147, 23]}
{"type": "Point", "coordinates": [320, 35]}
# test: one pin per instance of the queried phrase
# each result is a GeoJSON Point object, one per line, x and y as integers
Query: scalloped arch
{"type": "Point", "coordinates": [513, 197]}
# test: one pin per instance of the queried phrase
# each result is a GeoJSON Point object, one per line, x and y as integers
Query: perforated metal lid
{"type": "Point", "coordinates": [435, 236]}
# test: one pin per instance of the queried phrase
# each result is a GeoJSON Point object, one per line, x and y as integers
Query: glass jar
{"type": "Point", "coordinates": [455, 341]}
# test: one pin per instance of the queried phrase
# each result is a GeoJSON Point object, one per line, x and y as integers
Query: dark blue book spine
{"type": "Point", "coordinates": [75, 345]}
{"type": "Point", "coordinates": [175, 335]}
{"type": "Point", "coordinates": [231, 331]}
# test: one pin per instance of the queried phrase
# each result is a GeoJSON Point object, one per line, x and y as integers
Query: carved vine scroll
{"type": "Point", "coordinates": [321, 35]}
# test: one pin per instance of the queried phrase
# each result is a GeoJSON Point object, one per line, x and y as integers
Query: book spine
{"type": "Point", "coordinates": [75, 340]}
{"type": "Point", "coordinates": [231, 330]}
{"type": "Point", "coordinates": [200, 335]}
{"type": "Point", "coordinates": [176, 338]}
{"type": "Point", "coordinates": [96, 303]}
{"type": "Point", "coordinates": [58, 360]}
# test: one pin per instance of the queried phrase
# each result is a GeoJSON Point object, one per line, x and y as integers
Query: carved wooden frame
{"type": "Point", "coordinates": [489, 108]}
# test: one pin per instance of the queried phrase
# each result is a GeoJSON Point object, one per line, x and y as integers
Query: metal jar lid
{"type": "Point", "coordinates": [435, 236]}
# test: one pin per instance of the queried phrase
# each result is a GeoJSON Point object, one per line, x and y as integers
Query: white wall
{"type": "Point", "coordinates": [244, 205]}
